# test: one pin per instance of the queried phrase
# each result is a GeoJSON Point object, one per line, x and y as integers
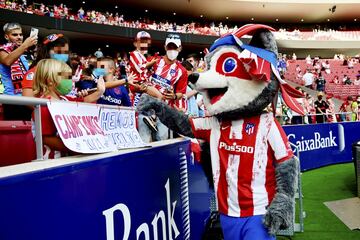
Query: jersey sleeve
{"type": "Point", "coordinates": [279, 143]}
{"type": "Point", "coordinates": [136, 63]}
{"type": "Point", "coordinates": [27, 81]}
{"type": "Point", "coordinates": [181, 84]}
{"type": "Point", "coordinates": [201, 127]}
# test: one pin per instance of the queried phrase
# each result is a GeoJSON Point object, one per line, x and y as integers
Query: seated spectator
{"type": "Point", "coordinates": [357, 80]}
{"type": "Point", "coordinates": [294, 57]}
{"type": "Point", "coordinates": [320, 83]}
{"type": "Point", "coordinates": [326, 67]}
{"type": "Point", "coordinates": [308, 60]}
{"type": "Point", "coordinates": [54, 46]}
{"type": "Point", "coordinates": [350, 63]}
{"type": "Point", "coordinates": [53, 81]}
{"type": "Point", "coordinates": [336, 80]}
{"type": "Point", "coordinates": [346, 80]}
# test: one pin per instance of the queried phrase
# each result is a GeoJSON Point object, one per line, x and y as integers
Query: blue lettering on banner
{"type": "Point", "coordinates": [163, 82]}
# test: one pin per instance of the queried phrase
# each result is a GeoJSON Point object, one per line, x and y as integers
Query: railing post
{"type": "Point", "coordinates": [38, 133]}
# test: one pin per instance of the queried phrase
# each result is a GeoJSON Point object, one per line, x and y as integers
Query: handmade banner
{"type": "Point", "coordinates": [91, 129]}
{"type": "Point", "coordinates": [120, 127]}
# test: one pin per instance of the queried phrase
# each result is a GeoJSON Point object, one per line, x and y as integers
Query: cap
{"type": "Point", "coordinates": [173, 38]}
{"type": "Point", "coordinates": [11, 26]}
{"type": "Point", "coordinates": [142, 34]}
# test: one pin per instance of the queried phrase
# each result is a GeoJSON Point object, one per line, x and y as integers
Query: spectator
{"type": "Point", "coordinates": [308, 60]}
{"type": "Point", "coordinates": [357, 80]}
{"type": "Point", "coordinates": [326, 67]}
{"type": "Point", "coordinates": [294, 57]}
{"type": "Point", "coordinates": [296, 117]}
{"type": "Point", "coordinates": [344, 109]}
{"type": "Point", "coordinates": [346, 80]}
{"type": "Point", "coordinates": [193, 59]}
{"type": "Point", "coordinates": [53, 81]}
{"type": "Point", "coordinates": [321, 107]}
{"type": "Point", "coordinates": [170, 78]}
{"type": "Point", "coordinates": [139, 66]}
{"type": "Point", "coordinates": [192, 106]}
{"type": "Point", "coordinates": [13, 66]}
{"type": "Point", "coordinates": [320, 83]}
{"type": "Point", "coordinates": [336, 80]}
{"type": "Point", "coordinates": [54, 46]}
{"type": "Point", "coordinates": [308, 78]}
{"type": "Point", "coordinates": [99, 53]}
{"type": "Point", "coordinates": [354, 109]}
{"type": "Point", "coordinates": [331, 110]}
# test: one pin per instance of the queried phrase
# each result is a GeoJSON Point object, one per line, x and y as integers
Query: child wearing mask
{"type": "Point", "coordinates": [115, 93]}
{"type": "Point", "coordinates": [53, 81]}
{"type": "Point", "coordinates": [54, 46]}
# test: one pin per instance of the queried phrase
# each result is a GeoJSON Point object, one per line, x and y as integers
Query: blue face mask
{"type": "Point", "coordinates": [97, 72]}
{"type": "Point", "coordinates": [60, 57]}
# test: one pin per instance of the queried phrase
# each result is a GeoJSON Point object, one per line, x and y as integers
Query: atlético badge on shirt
{"type": "Point", "coordinates": [249, 128]}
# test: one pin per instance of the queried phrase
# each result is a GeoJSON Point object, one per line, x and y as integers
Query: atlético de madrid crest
{"type": "Point", "coordinates": [249, 128]}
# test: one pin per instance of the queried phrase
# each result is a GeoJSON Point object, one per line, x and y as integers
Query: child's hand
{"type": "Point", "coordinates": [82, 93]}
{"type": "Point", "coordinates": [131, 78]}
{"type": "Point", "coordinates": [101, 86]}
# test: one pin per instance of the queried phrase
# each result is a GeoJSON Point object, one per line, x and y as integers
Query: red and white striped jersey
{"type": "Point", "coordinates": [138, 66]}
{"type": "Point", "coordinates": [170, 76]}
{"type": "Point", "coordinates": [243, 154]}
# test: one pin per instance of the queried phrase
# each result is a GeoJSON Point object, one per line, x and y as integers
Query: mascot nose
{"type": "Point", "coordinates": [193, 78]}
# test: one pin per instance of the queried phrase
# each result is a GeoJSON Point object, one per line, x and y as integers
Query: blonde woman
{"type": "Point", "coordinates": [52, 80]}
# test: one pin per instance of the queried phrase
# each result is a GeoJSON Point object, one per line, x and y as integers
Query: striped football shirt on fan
{"type": "Point", "coordinates": [170, 76]}
{"type": "Point", "coordinates": [243, 155]}
{"type": "Point", "coordinates": [138, 66]}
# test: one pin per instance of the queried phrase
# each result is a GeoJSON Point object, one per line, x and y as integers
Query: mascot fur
{"type": "Point", "coordinates": [254, 169]}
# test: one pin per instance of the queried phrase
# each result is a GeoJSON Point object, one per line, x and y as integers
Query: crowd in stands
{"type": "Point", "coordinates": [59, 75]}
{"type": "Point", "coordinates": [212, 28]}
{"type": "Point", "coordinates": [338, 77]}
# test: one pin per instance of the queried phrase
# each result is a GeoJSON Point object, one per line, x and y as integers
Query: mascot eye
{"type": "Point", "coordinates": [229, 65]}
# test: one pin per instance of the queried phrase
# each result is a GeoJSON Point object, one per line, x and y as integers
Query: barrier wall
{"type": "Point", "coordinates": [324, 144]}
{"type": "Point", "coordinates": [138, 194]}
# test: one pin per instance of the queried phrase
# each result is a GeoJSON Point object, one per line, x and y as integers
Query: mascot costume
{"type": "Point", "coordinates": [254, 169]}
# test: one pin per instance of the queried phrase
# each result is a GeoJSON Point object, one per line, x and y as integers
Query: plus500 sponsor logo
{"type": "Point", "coordinates": [236, 148]}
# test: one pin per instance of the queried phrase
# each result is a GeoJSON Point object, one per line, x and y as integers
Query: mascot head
{"type": "Point", "coordinates": [241, 80]}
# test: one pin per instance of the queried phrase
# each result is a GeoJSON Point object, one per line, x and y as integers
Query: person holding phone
{"type": "Point", "coordinates": [13, 66]}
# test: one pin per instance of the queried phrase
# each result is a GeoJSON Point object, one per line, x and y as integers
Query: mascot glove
{"type": "Point", "coordinates": [147, 103]}
{"type": "Point", "coordinates": [279, 214]}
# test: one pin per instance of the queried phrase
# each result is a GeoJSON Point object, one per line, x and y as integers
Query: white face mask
{"type": "Point", "coordinates": [172, 54]}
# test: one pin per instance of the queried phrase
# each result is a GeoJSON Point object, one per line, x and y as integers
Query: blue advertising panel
{"type": "Point", "coordinates": [155, 193]}
{"type": "Point", "coordinates": [323, 144]}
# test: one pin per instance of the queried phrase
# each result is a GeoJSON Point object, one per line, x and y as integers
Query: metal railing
{"type": "Point", "coordinates": [36, 103]}
{"type": "Point", "coordinates": [324, 117]}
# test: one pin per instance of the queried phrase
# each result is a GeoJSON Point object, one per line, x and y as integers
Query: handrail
{"type": "Point", "coordinates": [37, 102]}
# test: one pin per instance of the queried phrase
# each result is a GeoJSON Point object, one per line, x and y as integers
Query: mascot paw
{"type": "Point", "coordinates": [279, 214]}
{"type": "Point", "coordinates": [146, 103]}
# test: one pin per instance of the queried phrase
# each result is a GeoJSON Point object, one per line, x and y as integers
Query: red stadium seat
{"type": "Point", "coordinates": [17, 143]}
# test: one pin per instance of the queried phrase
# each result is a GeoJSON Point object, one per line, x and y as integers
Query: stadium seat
{"type": "Point", "coordinates": [17, 143]}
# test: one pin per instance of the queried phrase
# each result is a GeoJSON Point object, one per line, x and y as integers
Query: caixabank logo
{"type": "Point", "coordinates": [165, 218]}
{"type": "Point", "coordinates": [319, 139]}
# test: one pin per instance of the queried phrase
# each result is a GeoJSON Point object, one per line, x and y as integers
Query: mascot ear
{"type": "Point", "coordinates": [262, 36]}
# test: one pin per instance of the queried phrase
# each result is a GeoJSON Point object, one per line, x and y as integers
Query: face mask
{"type": "Point", "coordinates": [60, 57]}
{"type": "Point", "coordinates": [172, 54]}
{"type": "Point", "coordinates": [65, 86]}
{"type": "Point", "coordinates": [99, 72]}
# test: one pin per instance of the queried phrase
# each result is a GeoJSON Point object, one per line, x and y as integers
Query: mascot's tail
{"type": "Point", "coordinates": [289, 93]}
